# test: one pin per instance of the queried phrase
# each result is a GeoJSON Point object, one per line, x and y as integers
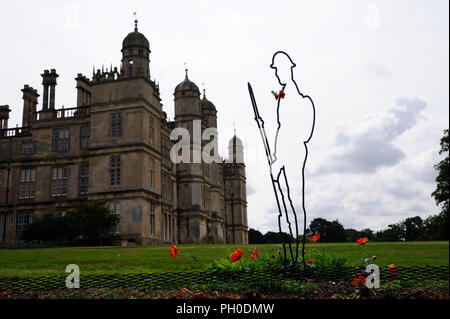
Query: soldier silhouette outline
{"type": "Point", "coordinates": [288, 160]}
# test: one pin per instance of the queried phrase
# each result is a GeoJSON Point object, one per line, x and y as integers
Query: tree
{"type": "Point", "coordinates": [255, 237]}
{"type": "Point", "coordinates": [93, 221]}
{"type": "Point", "coordinates": [352, 234]}
{"type": "Point", "coordinates": [435, 227]}
{"type": "Point", "coordinates": [393, 233]}
{"type": "Point", "coordinates": [49, 229]}
{"type": "Point", "coordinates": [411, 228]}
{"type": "Point", "coordinates": [367, 232]}
{"type": "Point", "coordinates": [90, 223]}
{"type": "Point", "coordinates": [277, 238]}
{"type": "Point", "coordinates": [442, 193]}
{"type": "Point", "coordinates": [329, 231]}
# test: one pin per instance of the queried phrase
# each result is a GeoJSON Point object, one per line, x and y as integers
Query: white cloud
{"type": "Point", "coordinates": [368, 145]}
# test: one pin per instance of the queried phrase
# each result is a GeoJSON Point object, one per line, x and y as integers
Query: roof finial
{"type": "Point", "coordinates": [185, 65]}
{"type": "Point", "coordinates": [135, 21]}
{"type": "Point", "coordinates": [204, 91]}
{"type": "Point", "coordinates": [234, 128]}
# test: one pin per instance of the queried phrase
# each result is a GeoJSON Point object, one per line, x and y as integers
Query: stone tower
{"type": "Point", "coordinates": [235, 194]}
{"type": "Point", "coordinates": [209, 112]}
{"type": "Point", "coordinates": [135, 54]}
{"type": "Point", "coordinates": [125, 145]}
{"type": "Point", "coordinates": [213, 174]}
{"type": "Point", "coordinates": [191, 216]}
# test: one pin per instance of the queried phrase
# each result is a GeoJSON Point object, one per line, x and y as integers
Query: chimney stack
{"type": "Point", "coordinates": [30, 100]}
{"type": "Point", "coordinates": [4, 116]}
{"type": "Point", "coordinates": [49, 80]}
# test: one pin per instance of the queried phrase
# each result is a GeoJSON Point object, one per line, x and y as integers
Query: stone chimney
{"type": "Point", "coordinates": [4, 116]}
{"type": "Point", "coordinates": [30, 100]}
{"type": "Point", "coordinates": [49, 80]}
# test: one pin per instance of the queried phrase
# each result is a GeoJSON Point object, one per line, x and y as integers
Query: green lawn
{"type": "Point", "coordinates": [48, 261]}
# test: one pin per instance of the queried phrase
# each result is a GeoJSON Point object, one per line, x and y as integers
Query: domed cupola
{"type": "Point", "coordinates": [136, 54]}
{"type": "Point", "coordinates": [208, 111]}
{"type": "Point", "coordinates": [186, 85]}
{"type": "Point", "coordinates": [207, 105]}
{"type": "Point", "coordinates": [135, 39]}
{"type": "Point", "coordinates": [187, 101]}
{"type": "Point", "coordinates": [236, 150]}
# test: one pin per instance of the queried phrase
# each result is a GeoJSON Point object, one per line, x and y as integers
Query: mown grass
{"type": "Point", "coordinates": [149, 259]}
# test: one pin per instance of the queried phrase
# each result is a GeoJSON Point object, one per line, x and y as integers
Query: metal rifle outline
{"type": "Point", "coordinates": [260, 123]}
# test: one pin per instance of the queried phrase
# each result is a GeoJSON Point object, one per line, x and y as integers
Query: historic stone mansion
{"type": "Point", "coordinates": [115, 146]}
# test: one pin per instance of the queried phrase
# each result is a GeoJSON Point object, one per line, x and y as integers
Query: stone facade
{"type": "Point", "coordinates": [115, 146]}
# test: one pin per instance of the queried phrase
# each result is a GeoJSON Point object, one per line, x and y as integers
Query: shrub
{"type": "Point", "coordinates": [90, 223]}
{"type": "Point", "coordinates": [49, 229]}
{"type": "Point", "coordinates": [93, 222]}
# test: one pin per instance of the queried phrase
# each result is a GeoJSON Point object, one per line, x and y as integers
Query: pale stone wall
{"type": "Point", "coordinates": [196, 207]}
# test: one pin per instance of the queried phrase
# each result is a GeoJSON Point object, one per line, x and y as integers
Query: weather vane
{"type": "Point", "coordinates": [135, 20]}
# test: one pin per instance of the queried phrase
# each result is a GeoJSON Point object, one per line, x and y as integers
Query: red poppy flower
{"type": "Point", "coordinates": [309, 261]}
{"type": "Point", "coordinates": [315, 238]}
{"type": "Point", "coordinates": [236, 255]}
{"type": "Point", "coordinates": [358, 280]}
{"type": "Point", "coordinates": [392, 270]}
{"type": "Point", "coordinates": [173, 251]}
{"type": "Point", "coordinates": [281, 94]}
{"type": "Point", "coordinates": [255, 253]}
{"type": "Point", "coordinates": [362, 241]}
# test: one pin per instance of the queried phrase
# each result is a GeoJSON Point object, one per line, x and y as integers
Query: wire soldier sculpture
{"type": "Point", "coordinates": [278, 159]}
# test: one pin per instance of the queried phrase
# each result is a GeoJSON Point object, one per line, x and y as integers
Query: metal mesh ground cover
{"type": "Point", "coordinates": [401, 276]}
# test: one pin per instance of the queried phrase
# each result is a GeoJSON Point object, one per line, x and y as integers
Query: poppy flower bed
{"type": "Point", "coordinates": [329, 290]}
{"type": "Point", "coordinates": [248, 273]}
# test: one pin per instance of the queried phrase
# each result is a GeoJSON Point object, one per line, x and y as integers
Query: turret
{"type": "Point", "coordinates": [235, 151]}
{"type": "Point", "coordinates": [135, 55]}
{"type": "Point", "coordinates": [235, 194]}
{"type": "Point", "coordinates": [209, 112]}
{"type": "Point", "coordinates": [187, 103]}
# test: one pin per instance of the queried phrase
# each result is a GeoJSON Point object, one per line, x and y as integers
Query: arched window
{"type": "Point", "coordinates": [130, 67]}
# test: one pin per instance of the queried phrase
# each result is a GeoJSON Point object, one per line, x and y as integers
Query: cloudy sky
{"type": "Point", "coordinates": [377, 71]}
